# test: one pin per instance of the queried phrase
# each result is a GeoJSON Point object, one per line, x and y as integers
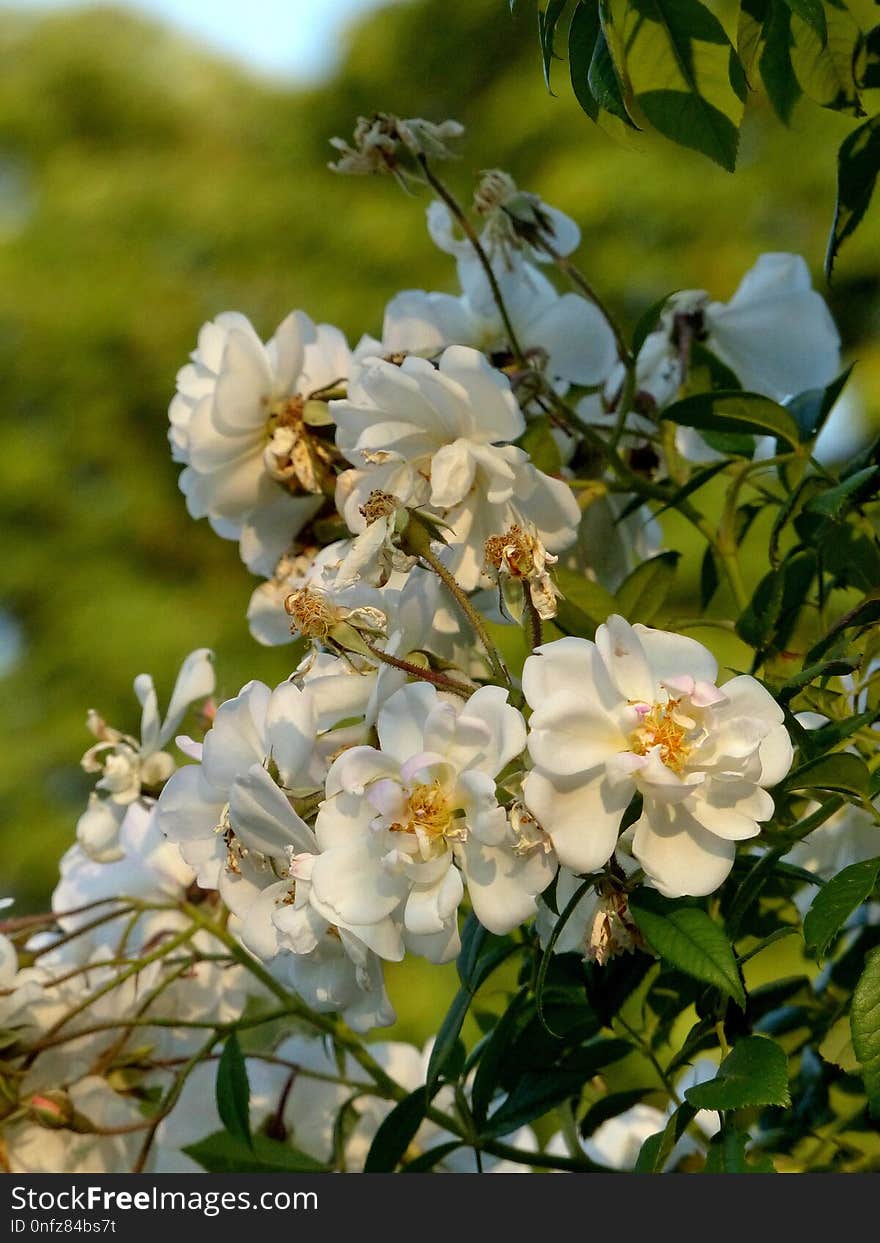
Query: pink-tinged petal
{"type": "Point", "coordinates": [680, 857]}
{"type": "Point", "coordinates": [582, 815]}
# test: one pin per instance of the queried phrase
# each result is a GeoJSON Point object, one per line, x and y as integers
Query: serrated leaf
{"type": "Point", "coordinates": [837, 1047]}
{"type": "Point", "coordinates": [865, 1024]}
{"type": "Point", "coordinates": [842, 772]}
{"type": "Point", "coordinates": [836, 901]}
{"type": "Point", "coordinates": [684, 73]}
{"type": "Point", "coordinates": [727, 1155]}
{"type": "Point", "coordinates": [222, 1153]}
{"type": "Point", "coordinates": [834, 502]}
{"type": "Point", "coordinates": [754, 1073]}
{"type": "Point", "coordinates": [813, 13]}
{"type": "Point", "coordinates": [686, 938]}
{"type": "Point", "coordinates": [735, 411]}
{"type": "Point", "coordinates": [643, 592]}
{"type": "Point", "coordinates": [825, 68]}
{"type": "Point", "coordinates": [396, 1133]}
{"type": "Point", "coordinates": [233, 1092]}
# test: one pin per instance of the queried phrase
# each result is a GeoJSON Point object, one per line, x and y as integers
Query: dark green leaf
{"type": "Point", "coordinates": [840, 771]}
{"type": "Point", "coordinates": [604, 82]}
{"type": "Point", "coordinates": [865, 613]}
{"type": "Point", "coordinates": [835, 501]}
{"type": "Point", "coordinates": [610, 1106]}
{"type": "Point", "coordinates": [221, 1153]}
{"type": "Point", "coordinates": [233, 1091]}
{"type": "Point", "coordinates": [727, 1155]}
{"type": "Point", "coordinates": [647, 322]}
{"type": "Point", "coordinates": [690, 120]}
{"type": "Point", "coordinates": [582, 35]}
{"type": "Point", "coordinates": [735, 411]}
{"type": "Point", "coordinates": [813, 13]}
{"type": "Point", "coordinates": [811, 408]}
{"type": "Point", "coordinates": [485, 1083]}
{"type": "Point", "coordinates": [687, 938]}
{"type": "Point", "coordinates": [548, 20]}
{"type": "Point", "coordinates": [777, 74]}
{"type": "Point", "coordinates": [396, 1133]}
{"type": "Point", "coordinates": [858, 164]}
{"type": "Point", "coordinates": [535, 1094]}
{"type": "Point", "coordinates": [447, 1037]}
{"type": "Point", "coordinates": [865, 1022]}
{"type": "Point", "coordinates": [754, 1073]}
{"type": "Point", "coordinates": [427, 1160]}
{"type": "Point", "coordinates": [708, 577]}
{"type": "Point", "coordinates": [833, 904]}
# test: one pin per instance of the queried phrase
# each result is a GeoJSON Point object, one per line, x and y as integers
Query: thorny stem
{"type": "Point", "coordinates": [536, 634]}
{"type": "Point", "coordinates": [424, 674]}
{"type": "Point", "coordinates": [580, 282]}
{"type": "Point", "coordinates": [471, 614]}
{"type": "Point", "coordinates": [470, 233]}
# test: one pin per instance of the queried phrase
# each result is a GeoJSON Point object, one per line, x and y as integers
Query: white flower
{"type": "Point", "coordinates": [230, 803]}
{"type": "Point", "coordinates": [130, 767]}
{"type": "Point", "coordinates": [439, 438]}
{"type": "Point", "coordinates": [399, 822]}
{"type": "Point", "coordinates": [571, 332]}
{"type": "Point", "coordinates": [776, 333]}
{"type": "Point", "coordinates": [639, 711]}
{"type": "Point", "coordinates": [240, 423]}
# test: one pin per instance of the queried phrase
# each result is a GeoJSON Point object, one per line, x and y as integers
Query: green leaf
{"type": "Point", "coordinates": [684, 73]}
{"type": "Point", "coordinates": [657, 1149]}
{"type": "Point", "coordinates": [396, 1133]}
{"type": "Point", "coordinates": [643, 592]}
{"type": "Point", "coordinates": [585, 604]}
{"type": "Point", "coordinates": [834, 502]}
{"type": "Point", "coordinates": [842, 772]}
{"type": "Point", "coordinates": [858, 164]}
{"type": "Point", "coordinates": [535, 1094]}
{"type": "Point", "coordinates": [604, 81]}
{"type": "Point", "coordinates": [812, 673]}
{"type": "Point", "coordinates": [686, 938]}
{"type": "Point", "coordinates": [611, 1106]}
{"type": "Point", "coordinates": [754, 1073]}
{"type": "Point", "coordinates": [865, 613]}
{"type": "Point", "coordinates": [539, 444]}
{"type": "Point", "coordinates": [813, 13]}
{"type": "Point", "coordinates": [777, 74]}
{"type": "Point", "coordinates": [486, 1078]}
{"type": "Point", "coordinates": [709, 579]}
{"type": "Point", "coordinates": [811, 408]}
{"type": "Point", "coordinates": [647, 322]}
{"type": "Point", "coordinates": [649, 1154]}
{"type": "Point", "coordinates": [865, 1023]}
{"type": "Point", "coordinates": [222, 1153]}
{"type": "Point", "coordinates": [833, 904]}
{"type": "Point", "coordinates": [727, 1155]}
{"type": "Point", "coordinates": [548, 20]}
{"type": "Point", "coordinates": [734, 411]}
{"type": "Point", "coordinates": [825, 68]}
{"type": "Point", "coordinates": [837, 1047]}
{"type": "Point", "coordinates": [233, 1092]}
{"type": "Point", "coordinates": [426, 1161]}
{"type": "Point", "coordinates": [582, 35]}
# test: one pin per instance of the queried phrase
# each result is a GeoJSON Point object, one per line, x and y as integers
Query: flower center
{"type": "Point", "coordinates": [429, 810]}
{"type": "Point", "coordinates": [310, 613]}
{"type": "Point", "coordinates": [660, 728]}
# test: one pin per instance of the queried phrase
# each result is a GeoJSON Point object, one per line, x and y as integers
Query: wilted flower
{"type": "Point", "coordinates": [383, 143]}
{"type": "Point", "coordinates": [519, 558]}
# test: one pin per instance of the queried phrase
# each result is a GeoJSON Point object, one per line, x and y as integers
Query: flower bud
{"type": "Point", "coordinates": [53, 1110]}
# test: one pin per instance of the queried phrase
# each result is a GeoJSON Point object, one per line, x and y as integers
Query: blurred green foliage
{"type": "Point", "coordinates": [145, 186]}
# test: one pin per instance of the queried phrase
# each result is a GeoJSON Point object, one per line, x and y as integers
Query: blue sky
{"type": "Point", "coordinates": [287, 38]}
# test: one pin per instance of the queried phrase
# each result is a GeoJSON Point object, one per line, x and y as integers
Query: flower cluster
{"type": "Point", "coordinates": [447, 521]}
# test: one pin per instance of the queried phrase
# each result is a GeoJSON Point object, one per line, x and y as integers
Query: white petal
{"type": "Point", "coordinates": [679, 856]}
{"type": "Point", "coordinates": [582, 815]}
{"type": "Point", "coordinates": [626, 660]}
{"type": "Point", "coordinates": [262, 817]}
{"type": "Point", "coordinates": [195, 681]}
